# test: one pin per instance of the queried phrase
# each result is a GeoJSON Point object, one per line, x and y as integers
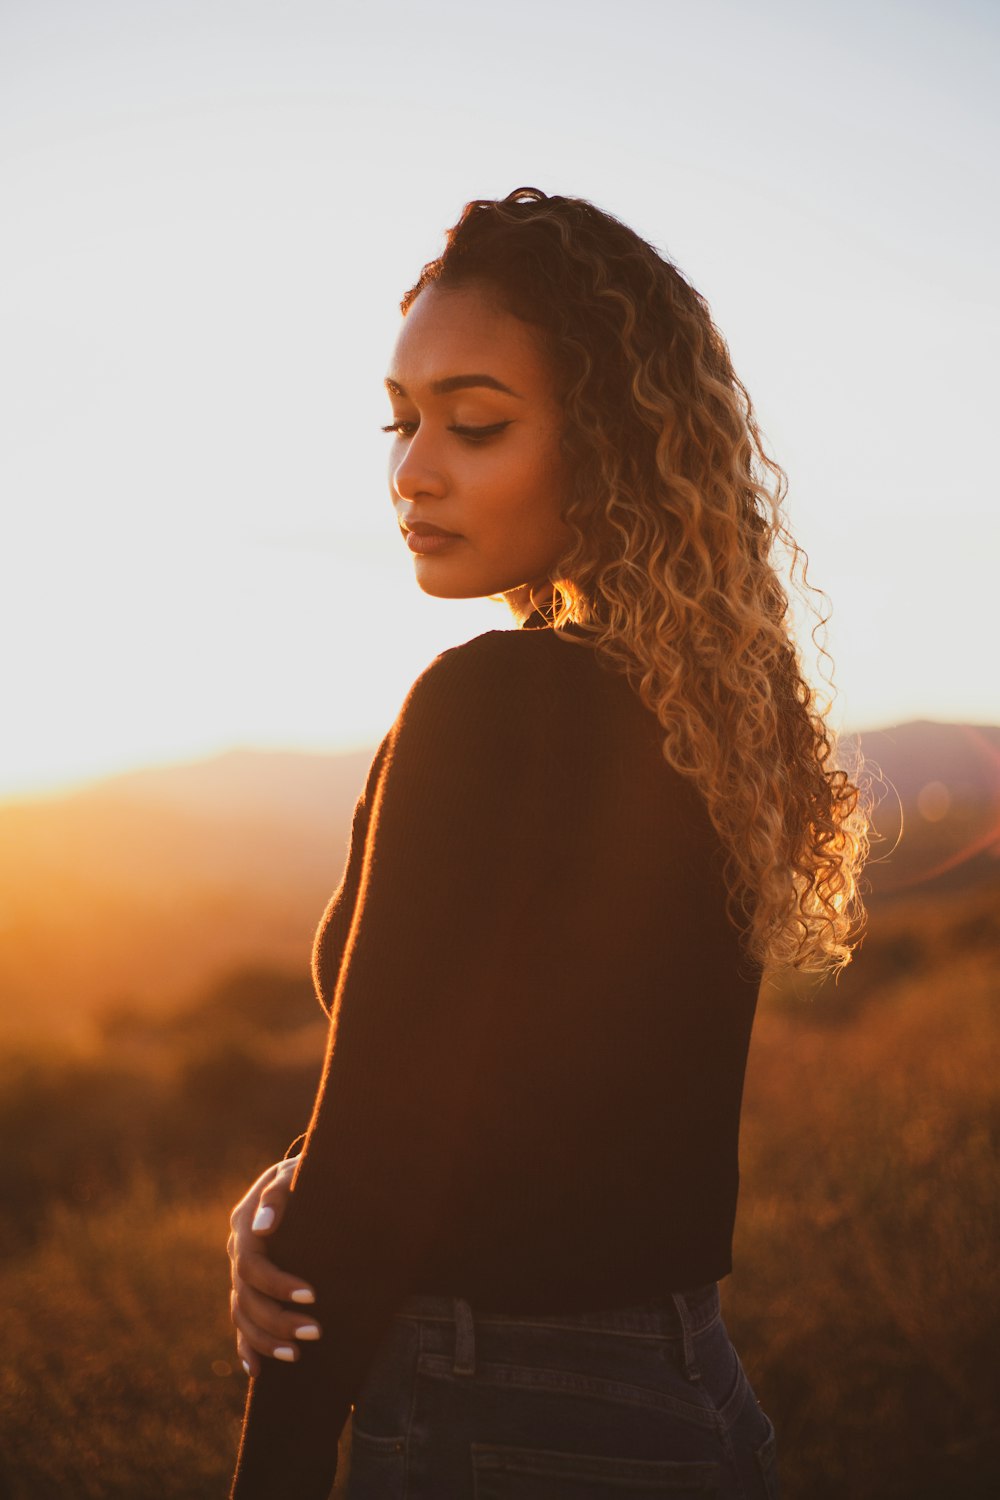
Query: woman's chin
{"type": "Point", "coordinates": [439, 579]}
{"type": "Point", "coordinates": [437, 585]}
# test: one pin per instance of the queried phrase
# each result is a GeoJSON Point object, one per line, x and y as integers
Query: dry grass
{"type": "Point", "coordinates": [120, 1377]}
{"type": "Point", "coordinates": [865, 1296]}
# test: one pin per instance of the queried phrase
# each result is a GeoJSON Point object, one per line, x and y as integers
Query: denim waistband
{"type": "Point", "coordinates": [702, 1305]}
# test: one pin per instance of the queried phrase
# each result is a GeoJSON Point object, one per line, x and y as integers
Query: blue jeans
{"type": "Point", "coordinates": [648, 1401]}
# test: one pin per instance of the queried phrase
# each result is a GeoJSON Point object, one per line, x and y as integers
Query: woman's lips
{"type": "Point", "coordinates": [429, 543]}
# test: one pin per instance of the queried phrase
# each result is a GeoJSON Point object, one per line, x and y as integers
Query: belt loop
{"type": "Point", "coordinates": [691, 1370]}
{"type": "Point", "coordinates": [465, 1339]}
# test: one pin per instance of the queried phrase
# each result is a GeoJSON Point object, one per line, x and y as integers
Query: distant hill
{"type": "Point", "coordinates": [141, 888]}
{"type": "Point", "coordinates": [938, 819]}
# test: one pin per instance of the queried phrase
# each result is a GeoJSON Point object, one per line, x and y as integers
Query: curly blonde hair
{"type": "Point", "coordinates": [675, 512]}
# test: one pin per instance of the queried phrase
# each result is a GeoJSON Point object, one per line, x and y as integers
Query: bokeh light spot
{"type": "Point", "coordinates": [933, 801]}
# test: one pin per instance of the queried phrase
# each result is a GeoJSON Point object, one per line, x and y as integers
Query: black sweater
{"type": "Point", "coordinates": [539, 1029]}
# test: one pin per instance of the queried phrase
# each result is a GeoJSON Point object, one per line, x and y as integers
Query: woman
{"type": "Point", "coordinates": [577, 848]}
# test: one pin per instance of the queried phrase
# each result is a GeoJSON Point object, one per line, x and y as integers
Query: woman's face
{"type": "Point", "coordinates": [475, 447]}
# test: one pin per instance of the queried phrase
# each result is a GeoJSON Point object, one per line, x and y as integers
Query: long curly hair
{"type": "Point", "coordinates": [675, 516]}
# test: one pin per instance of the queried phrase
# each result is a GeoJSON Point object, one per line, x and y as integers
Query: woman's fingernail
{"type": "Point", "coordinates": [246, 1367]}
{"type": "Point", "coordinates": [303, 1294]}
{"type": "Point", "coordinates": [262, 1219]}
{"type": "Point", "coordinates": [307, 1331]}
{"type": "Point", "coordinates": [285, 1353]}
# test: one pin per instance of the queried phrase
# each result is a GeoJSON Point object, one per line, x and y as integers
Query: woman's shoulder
{"type": "Point", "coordinates": [475, 702]}
{"type": "Point", "coordinates": [460, 732]}
{"type": "Point", "coordinates": [490, 667]}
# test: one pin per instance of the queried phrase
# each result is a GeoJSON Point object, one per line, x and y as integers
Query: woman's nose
{"type": "Point", "coordinates": [417, 472]}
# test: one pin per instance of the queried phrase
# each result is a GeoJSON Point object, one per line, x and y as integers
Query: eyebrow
{"type": "Point", "coordinates": [456, 383]}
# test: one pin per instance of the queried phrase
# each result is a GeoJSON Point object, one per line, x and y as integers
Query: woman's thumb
{"type": "Point", "coordinates": [270, 1206]}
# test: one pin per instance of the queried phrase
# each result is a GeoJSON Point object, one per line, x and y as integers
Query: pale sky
{"type": "Point", "coordinates": [211, 212]}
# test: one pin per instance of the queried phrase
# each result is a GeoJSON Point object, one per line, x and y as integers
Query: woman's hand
{"type": "Point", "coordinates": [262, 1325]}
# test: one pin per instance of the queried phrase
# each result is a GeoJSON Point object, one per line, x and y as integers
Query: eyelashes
{"type": "Point", "coordinates": [471, 434]}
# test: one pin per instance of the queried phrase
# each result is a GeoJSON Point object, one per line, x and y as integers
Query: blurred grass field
{"type": "Point", "coordinates": [864, 1298]}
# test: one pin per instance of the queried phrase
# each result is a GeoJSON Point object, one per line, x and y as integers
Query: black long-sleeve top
{"type": "Point", "coordinates": [539, 1025]}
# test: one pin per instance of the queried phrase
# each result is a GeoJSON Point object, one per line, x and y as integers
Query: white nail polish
{"type": "Point", "coordinates": [285, 1352]}
{"type": "Point", "coordinates": [262, 1219]}
{"type": "Point", "coordinates": [302, 1294]}
{"type": "Point", "coordinates": [307, 1331]}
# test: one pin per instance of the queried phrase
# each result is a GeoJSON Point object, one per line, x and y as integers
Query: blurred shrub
{"type": "Point", "coordinates": [907, 935]}
{"type": "Point", "coordinates": [218, 1088]}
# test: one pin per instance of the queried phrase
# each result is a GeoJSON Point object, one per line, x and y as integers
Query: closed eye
{"type": "Point", "coordinates": [472, 434]}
